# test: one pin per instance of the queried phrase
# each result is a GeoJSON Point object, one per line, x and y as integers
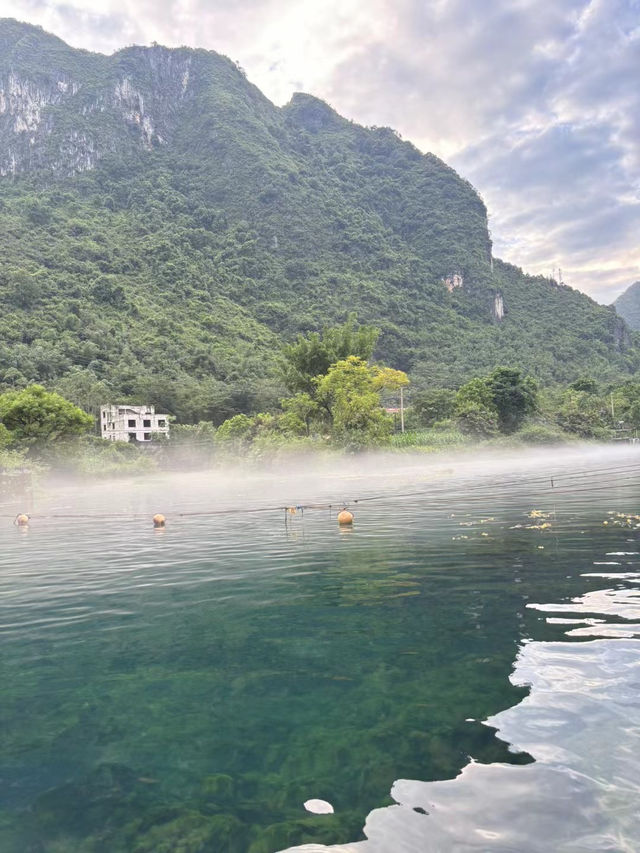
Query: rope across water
{"type": "Point", "coordinates": [590, 480]}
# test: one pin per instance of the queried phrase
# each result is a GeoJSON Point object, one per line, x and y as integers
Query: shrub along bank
{"type": "Point", "coordinates": [336, 403]}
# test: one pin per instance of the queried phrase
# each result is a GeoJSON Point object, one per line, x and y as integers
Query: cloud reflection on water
{"type": "Point", "coordinates": [580, 721]}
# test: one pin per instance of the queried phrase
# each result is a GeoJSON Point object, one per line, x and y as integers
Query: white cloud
{"type": "Point", "coordinates": [536, 103]}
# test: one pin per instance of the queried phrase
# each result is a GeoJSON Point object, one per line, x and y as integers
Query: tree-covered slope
{"type": "Point", "coordinates": [165, 227]}
{"type": "Point", "coordinates": [628, 306]}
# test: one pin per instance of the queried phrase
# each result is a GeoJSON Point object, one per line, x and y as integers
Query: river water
{"type": "Point", "coordinates": [459, 671]}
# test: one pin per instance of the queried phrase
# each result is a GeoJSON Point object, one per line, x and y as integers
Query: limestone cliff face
{"type": "Point", "coordinates": [453, 281]}
{"type": "Point", "coordinates": [65, 122]}
{"type": "Point", "coordinates": [200, 198]}
{"type": "Point", "coordinates": [22, 100]}
{"type": "Point", "coordinates": [23, 117]}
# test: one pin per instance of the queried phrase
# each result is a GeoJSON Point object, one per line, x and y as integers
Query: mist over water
{"type": "Point", "coordinates": [198, 684]}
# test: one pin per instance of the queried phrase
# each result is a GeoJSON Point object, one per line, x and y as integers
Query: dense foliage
{"type": "Point", "coordinates": [507, 403]}
{"type": "Point", "coordinates": [36, 416]}
{"type": "Point", "coordinates": [628, 305]}
{"type": "Point", "coordinates": [311, 356]}
{"type": "Point", "coordinates": [39, 430]}
{"type": "Point", "coordinates": [169, 267]}
{"type": "Point", "coordinates": [341, 403]}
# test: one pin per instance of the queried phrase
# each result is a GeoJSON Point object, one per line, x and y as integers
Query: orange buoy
{"type": "Point", "coordinates": [159, 520]}
{"type": "Point", "coordinates": [345, 517]}
{"type": "Point", "coordinates": [22, 520]}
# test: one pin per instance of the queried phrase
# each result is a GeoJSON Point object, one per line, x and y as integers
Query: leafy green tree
{"type": "Point", "coordinates": [434, 405]}
{"type": "Point", "coordinates": [585, 383]}
{"type": "Point", "coordinates": [389, 379]}
{"type": "Point", "coordinates": [621, 405]}
{"type": "Point", "coordinates": [475, 411]}
{"type": "Point", "coordinates": [193, 434]}
{"type": "Point", "coordinates": [106, 289]}
{"type": "Point", "coordinates": [35, 416]}
{"type": "Point", "coordinates": [477, 393]}
{"type": "Point", "coordinates": [5, 437]}
{"type": "Point", "coordinates": [83, 388]}
{"type": "Point", "coordinates": [298, 414]}
{"type": "Point", "coordinates": [26, 287]}
{"type": "Point", "coordinates": [311, 356]}
{"type": "Point", "coordinates": [350, 392]}
{"type": "Point", "coordinates": [633, 415]}
{"type": "Point", "coordinates": [240, 431]}
{"type": "Point", "coordinates": [513, 395]}
{"type": "Point", "coordinates": [237, 428]}
{"type": "Point", "coordinates": [582, 414]}
{"type": "Point", "coordinates": [477, 421]}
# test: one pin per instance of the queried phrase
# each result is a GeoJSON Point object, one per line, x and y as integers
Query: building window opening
{"type": "Point", "coordinates": [132, 422]}
{"type": "Point", "coordinates": [146, 424]}
{"type": "Point", "coordinates": [132, 436]}
{"type": "Point", "coordinates": [147, 436]}
{"type": "Point", "coordinates": [162, 423]}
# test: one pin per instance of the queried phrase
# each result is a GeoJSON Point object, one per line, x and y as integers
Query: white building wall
{"type": "Point", "coordinates": [131, 423]}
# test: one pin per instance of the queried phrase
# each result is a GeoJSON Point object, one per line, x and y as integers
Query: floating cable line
{"type": "Point", "coordinates": [628, 483]}
{"type": "Point", "coordinates": [438, 490]}
{"type": "Point", "coordinates": [490, 486]}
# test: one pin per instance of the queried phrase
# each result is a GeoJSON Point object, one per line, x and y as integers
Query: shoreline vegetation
{"type": "Point", "coordinates": [340, 402]}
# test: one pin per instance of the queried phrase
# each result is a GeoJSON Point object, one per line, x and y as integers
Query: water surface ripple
{"type": "Point", "coordinates": [189, 689]}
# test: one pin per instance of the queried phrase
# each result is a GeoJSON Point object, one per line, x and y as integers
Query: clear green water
{"type": "Point", "coordinates": [188, 690]}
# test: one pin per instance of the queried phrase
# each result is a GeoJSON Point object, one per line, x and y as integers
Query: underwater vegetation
{"type": "Point", "coordinates": [188, 691]}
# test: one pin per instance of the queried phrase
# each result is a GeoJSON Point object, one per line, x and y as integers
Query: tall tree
{"type": "Point", "coordinates": [311, 356]}
{"type": "Point", "coordinates": [352, 395]}
{"type": "Point", "coordinates": [513, 395]}
{"type": "Point", "coordinates": [36, 416]}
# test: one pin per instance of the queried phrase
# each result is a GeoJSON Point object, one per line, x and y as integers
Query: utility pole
{"type": "Point", "coordinates": [613, 417]}
{"type": "Point", "coordinates": [401, 409]}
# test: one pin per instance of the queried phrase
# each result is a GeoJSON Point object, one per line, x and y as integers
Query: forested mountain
{"type": "Point", "coordinates": [628, 305]}
{"type": "Point", "coordinates": [165, 228]}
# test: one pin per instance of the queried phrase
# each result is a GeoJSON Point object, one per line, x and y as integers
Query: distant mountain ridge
{"type": "Point", "coordinates": [628, 306]}
{"type": "Point", "coordinates": [165, 228]}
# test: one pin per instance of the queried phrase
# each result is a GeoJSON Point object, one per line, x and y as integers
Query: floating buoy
{"type": "Point", "coordinates": [345, 517]}
{"type": "Point", "coordinates": [22, 520]}
{"type": "Point", "coordinates": [318, 807]}
{"type": "Point", "coordinates": [159, 520]}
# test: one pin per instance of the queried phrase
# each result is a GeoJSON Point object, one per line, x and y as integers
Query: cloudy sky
{"type": "Point", "coordinates": [536, 102]}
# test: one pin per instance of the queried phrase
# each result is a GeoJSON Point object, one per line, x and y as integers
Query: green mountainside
{"type": "Point", "coordinates": [628, 306]}
{"type": "Point", "coordinates": [165, 228]}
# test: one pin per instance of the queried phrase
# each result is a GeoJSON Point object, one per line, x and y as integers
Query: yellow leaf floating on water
{"type": "Point", "coordinates": [623, 519]}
